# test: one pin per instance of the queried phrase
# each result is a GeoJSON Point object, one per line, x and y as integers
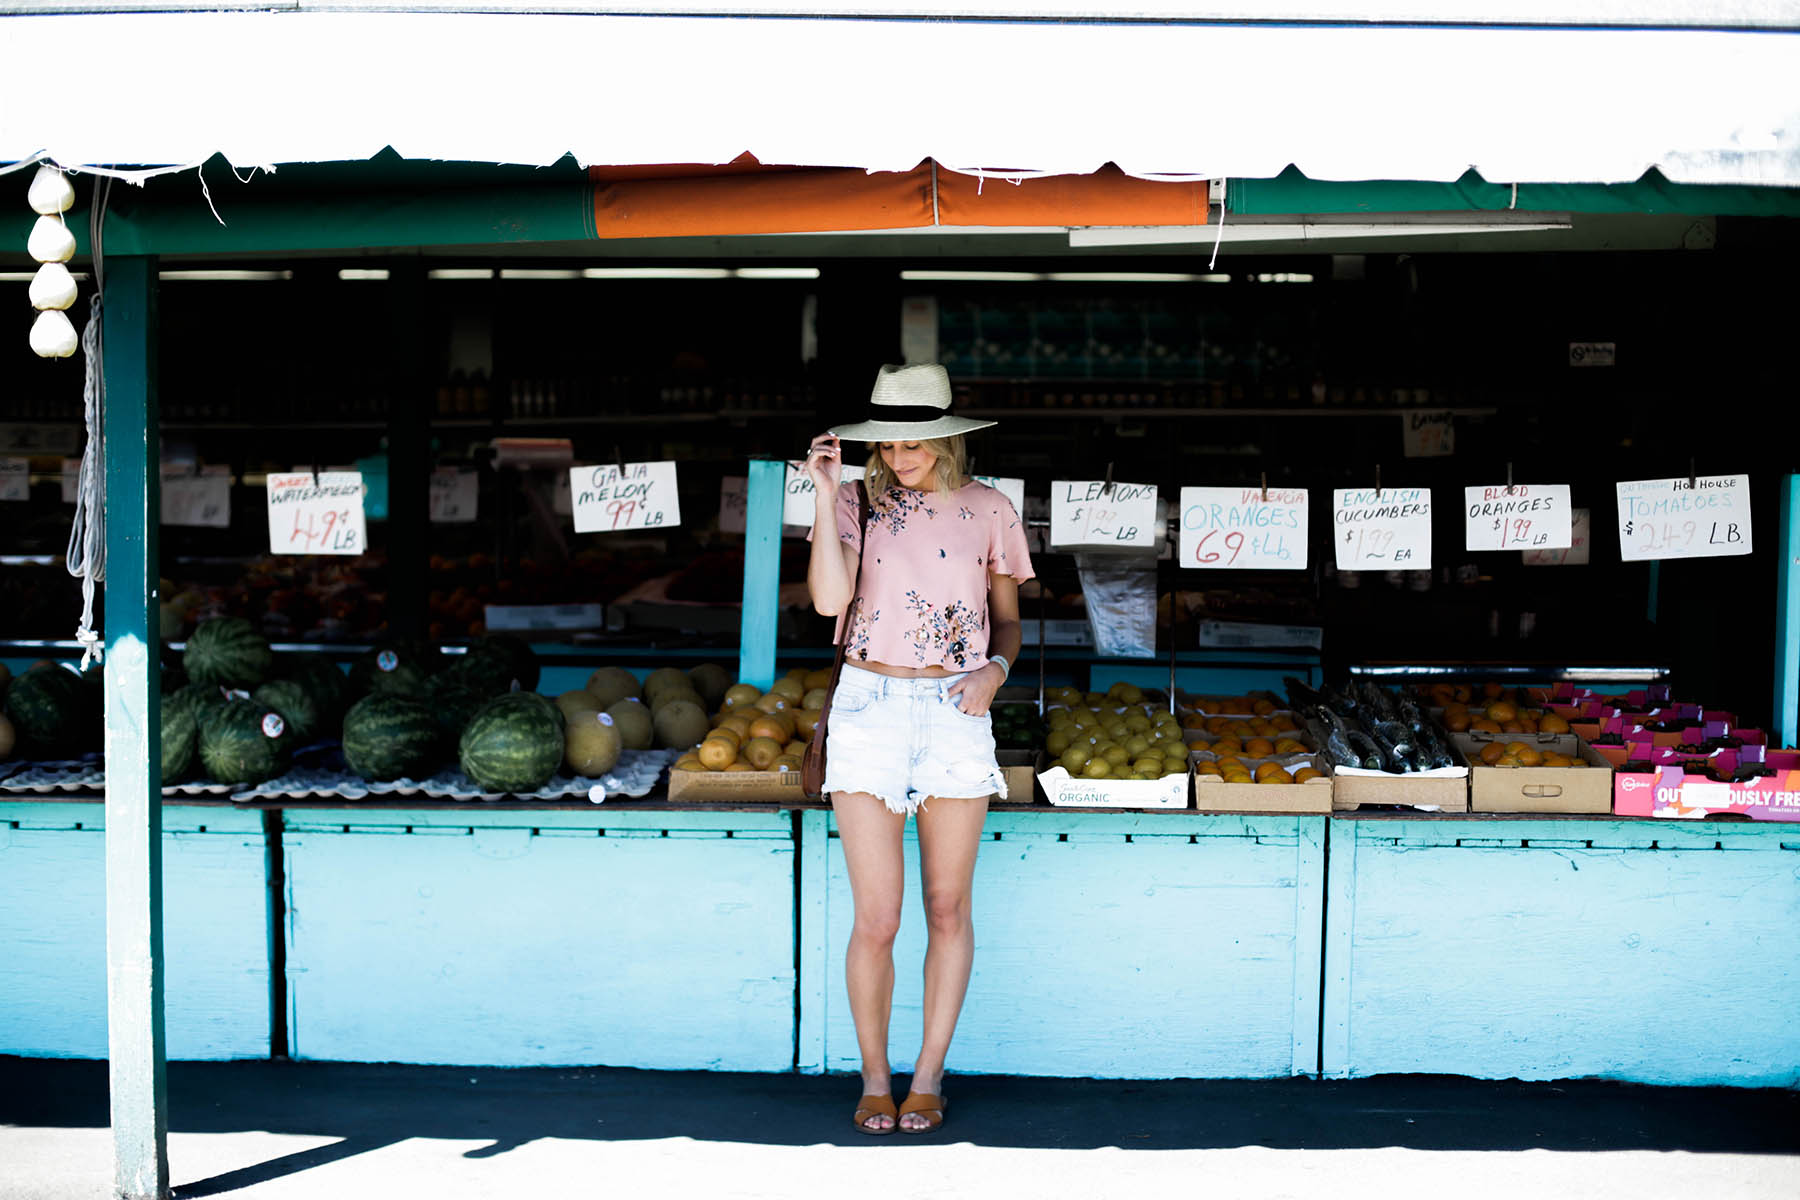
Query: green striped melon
{"type": "Point", "coordinates": [521, 660]}
{"type": "Point", "coordinates": [513, 744]}
{"type": "Point", "coordinates": [399, 667]}
{"type": "Point", "coordinates": [328, 685]}
{"type": "Point", "coordinates": [243, 742]}
{"type": "Point", "coordinates": [455, 696]}
{"type": "Point", "coordinates": [229, 651]}
{"type": "Point", "coordinates": [388, 736]}
{"type": "Point", "coordinates": [296, 705]}
{"type": "Point", "coordinates": [180, 740]}
{"type": "Point", "coordinates": [51, 711]}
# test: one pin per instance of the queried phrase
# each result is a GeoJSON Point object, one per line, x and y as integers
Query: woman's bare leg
{"type": "Point", "coordinates": [949, 836]}
{"type": "Point", "coordinates": [870, 837]}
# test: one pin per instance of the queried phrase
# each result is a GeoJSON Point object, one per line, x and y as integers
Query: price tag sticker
{"type": "Point", "coordinates": [734, 503]}
{"type": "Point", "coordinates": [608, 500]}
{"type": "Point", "coordinates": [1389, 530]}
{"type": "Point", "coordinates": [1581, 534]}
{"type": "Point", "coordinates": [15, 479]}
{"type": "Point", "coordinates": [1083, 513]}
{"type": "Point", "coordinates": [797, 494]}
{"type": "Point", "coordinates": [1012, 489]}
{"type": "Point", "coordinates": [1526, 516]}
{"type": "Point", "coordinates": [455, 491]}
{"type": "Point", "coordinates": [320, 514]}
{"type": "Point", "coordinates": [200, 501]}
{"type": "Point", "coordinates": [1704, 517]}
{"type": "Point", "coordinates": [1243, 528]}
{"type": "Point", "coordinates": [1428, 434]}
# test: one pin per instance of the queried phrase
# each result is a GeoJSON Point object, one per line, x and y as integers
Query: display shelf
{"type": "Point", "coordinates": [1110, 412]}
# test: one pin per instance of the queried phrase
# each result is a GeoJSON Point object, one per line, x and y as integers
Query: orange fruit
{"type": "Point", "coordinates": [1262, 708]}
{"type": "Point", "coordinates": [726, 735]}
{"type": "Point", "coordinates": [759, 752]}
{"type": "Point", "coordinates": [740, 765]}
{"type": "Point", "coordinates": [1207, 768]}
{"type": "Point", "coordinates": [805, 721]}
{"type": "Point", "coordinates": [1259, 747]}
{"type": "Point", "coordinates": [768, 727]}
{"type": "Point", "coordinates": [1456, 720]}
{"type": "Point", "coordinates": [1553, 723]}
{"type": "Point", "coordinates": [1229, 763]}
{"type": "Point", "coordinates": [1493, 691]}
{"type": "Point", "coordinates": [1527, 756]}
{"type": "Point", "coordinates": [715, 754]}
{"type": "Point", "coordinates": [1500, 710]}
{"type": "Point", "coordinates": [1284, 724]}
{"type": "Point", "coordinates": [796, 748]}
{"type": "Point", "coordinates": [738, 723]}
{"type": "Point", "coordinates": [1289, 746]}
{"type": "Point", "coordinates": [773, 702]}
{"type": "Point", "coordinates": [1271, 772]}
{"type": "Point", "coordinates": [1485, 726]}
{"type": "Point", "coordinates": [1306, 773]}
{"type": "Point", "coordinates": [1512, 727]}
{"type": "Point", "coordinates": [1490, 753]}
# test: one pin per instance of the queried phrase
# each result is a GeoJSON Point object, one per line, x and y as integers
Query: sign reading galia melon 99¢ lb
{"type": "Point", "coordinates": [1084, 513]}
{"type": "Point", "coordinates": [317, 514]}
{"type": "Point", "coordinates": [799, 497]}
{"type": "Point", "coordinates": [1526, 516]}
{"type": "Point", "coordinates": [1243, 528]}
{"type": "Point", "coordinates": [606, 499]}
{"type": "Point", "coordinates": [1706, 517]}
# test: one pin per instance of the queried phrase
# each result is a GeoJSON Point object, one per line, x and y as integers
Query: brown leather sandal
{"type": "Point", "coordinates": [875, 1106]}
{"type": "Point", "coordinates": [925, 1105]}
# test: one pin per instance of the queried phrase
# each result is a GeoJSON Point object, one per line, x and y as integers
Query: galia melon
{"type": "Point", "coordinates": [613, 683]}
{"type": "Point", "coordinates": [634, 723]}
{"type": "Point", "coordinates": [662, 678]}
{"type": "Point", "coordinates": [712, 682]}
{"type": "Point", "coordinates": [591, 744]}
{"type": "Point", "coordinates": [680, 724]}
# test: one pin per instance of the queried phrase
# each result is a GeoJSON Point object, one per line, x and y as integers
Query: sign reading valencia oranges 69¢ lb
{"type": "Point", "coordinates": [1705, 517]}
{"type": "Point", "coordinates": [1525, 516]}
{"type": "Point", "coordinates": [606, 499]}
{"type": "Point", "coordinates": [1084, 513]}
{"type": "Point", "coordinates": [317, 514]}
{"type": "Point", "coordinates": [1244, 528]}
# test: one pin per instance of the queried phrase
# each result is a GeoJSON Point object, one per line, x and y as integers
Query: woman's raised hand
{"type": "Point", "coordinates": [824, 465]}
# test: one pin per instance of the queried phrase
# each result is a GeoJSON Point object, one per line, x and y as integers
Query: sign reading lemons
{"type": "Point", "coordinates": [614, 497]}
{"type": "Point", "coordinates": [1244, 528]}
{"type": "Point", "coordinates": [1704, 517]}
{"type": "Point", "coordinates": [1386, 529]}
{"type": "Point", "coordinates": [1090, 512]}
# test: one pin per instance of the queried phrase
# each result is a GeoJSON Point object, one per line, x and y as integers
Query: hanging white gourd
{"type": "Point", "coordinates": [52, 287]}
{"type": "Point", "coordinates": [50, 192]}
{"type": "Point", "coordinates": [52, 336]}
{"type": "Point", "coordinates": [51, 241]}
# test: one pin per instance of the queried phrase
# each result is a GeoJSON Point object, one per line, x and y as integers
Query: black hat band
{"type": "Point", "coordinates": [906, 413]}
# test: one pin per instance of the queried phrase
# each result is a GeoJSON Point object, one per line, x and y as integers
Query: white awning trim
{"type": "Point", "coordinates": [1009, 99]}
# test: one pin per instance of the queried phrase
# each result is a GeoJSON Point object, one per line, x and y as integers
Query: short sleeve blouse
{"type": "Point", "coordinates": [925, 573]}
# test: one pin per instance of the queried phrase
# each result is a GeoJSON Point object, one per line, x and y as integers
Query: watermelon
{"type": "Point", "coordinates": [243, 742]}
{"type": "Point", "coordinates": [180, 738]}
{"type": "Point", "coordinates": [296, 705]}
{"type": "Point", "coordinates": [522, 660]}
{"type": "Point", "coordinates": [229, 651]}
{"type": "Point", "coordinates": [52, 713]}
{"type": "Point", "coordinates": [328, 686]}
{"type": "Point", "coordinates": [514, 744]}
{"type": "Point", "coordinates": [196, 696]}
{"type": "Point", "coordinates": [400, 667]}
{"type": "Point", "coordinates": [454, 696]}
{"type": "Point", "coordinates": [387, 736]}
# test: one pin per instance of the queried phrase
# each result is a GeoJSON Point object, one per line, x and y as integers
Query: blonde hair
{"type": "Point", "coordinates": [948, 473]}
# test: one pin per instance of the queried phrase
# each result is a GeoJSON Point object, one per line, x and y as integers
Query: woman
{"type": "Point", "coordinates": [933, 630]}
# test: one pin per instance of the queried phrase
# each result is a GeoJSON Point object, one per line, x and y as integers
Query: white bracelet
{"type": "Point", "coordinates": [1005, 666]}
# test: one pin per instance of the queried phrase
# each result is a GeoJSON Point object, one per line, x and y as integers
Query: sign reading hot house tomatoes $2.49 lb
{"type": "Point", "coordinates": [1533, 516]}
{"type": "Point", "coordinates": [316, 514]}
{"type": "Point", "coordinates": [607, 499]}
{"type": "Point", "coordinates": [1244, 528]}
{"type": "Point", "coordinates": [1704, 517]}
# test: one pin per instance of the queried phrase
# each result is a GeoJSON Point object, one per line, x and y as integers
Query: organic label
{"type": "Point", "coordinates": [198, 501]}
{"type": "Point", "coordinates": [797, 494]}
{"type": "Point", "coordinates": [1704, 517]}
{"type": "Point", "coordinates": [15, 479]}
{"type": "Point", "coordinates": [1243, 528]}
{"type": "Point", "coordinates": [455, 492]}
{"type": "Point", "coordinates": [317, 514]}
{"type": "Point", "coordinates": [1575, 554]}
{"type": "Point", "coordinates": [1531, 516]}
{"type": "Point", "coordinates": [1428, 434]}
{"type": "Point", "coordinates": [1386, 530]}
{"type": "Point", "coordinates": [606, 499]}
{"type": "Point", "coordinates": [1084, 513]}
{"type": "Point", "coordinates": [1012, 489]}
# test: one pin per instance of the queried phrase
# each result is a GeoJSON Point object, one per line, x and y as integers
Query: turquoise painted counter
{"type": "Point", "coordinates": [53, 931]}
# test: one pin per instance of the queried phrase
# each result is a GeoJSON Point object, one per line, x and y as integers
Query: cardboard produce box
{"type": "Point", "coordinates": [1020, 769]}
{"type": "Point", "coordinates": [1537, 789]}
{"type": "Point", "coordinates": [1066, 791]}
{"type": "Point", "coordinates": [735, 787]}
{"type": "Point", "coordinates": [1443, 790]}
{"type": "Point", "coordinates": [1212, 794]}
{"type": "Point", "coordinates": [1670, 791]}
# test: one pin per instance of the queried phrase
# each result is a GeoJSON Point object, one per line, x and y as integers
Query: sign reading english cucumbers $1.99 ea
{"type": "Point", "coordinates": [1525, 516]}
{"type": "Point", "coordinates": [1386, 529]}
{"type": "Point", "coordinates": [608, 498]}
{"type": "Point", "coordinates": [1244, 528]}
{"type": "Point", "coordinates": [1703, 517]}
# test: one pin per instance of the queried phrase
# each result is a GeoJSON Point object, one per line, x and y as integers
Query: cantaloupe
{"type": "Point", "coordinates": [574, 703]}
{"type": "Point", "coordinates": [609, 684]}
{"type": "Point", "coordinates": [712, 682]}
{"type": "Point", "coordinates": [591, 744]}
{"type": "Point", "coordinates": [680, 724]}
{"type": "Point", "coordinates": [670, 693]}
{"type": "Point", "coordinates": [636, 728]}
{"type": "Point", "coordinates": [664, 677]}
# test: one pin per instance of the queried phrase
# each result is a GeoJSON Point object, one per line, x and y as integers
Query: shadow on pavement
{"type": "Point", "coordinates": [369, 1106]}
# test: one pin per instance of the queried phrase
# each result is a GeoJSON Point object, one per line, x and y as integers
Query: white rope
{"type": "Point", "coordinates": [1217, 238]}
{"type": "Point", "coordinates": [86, 559]}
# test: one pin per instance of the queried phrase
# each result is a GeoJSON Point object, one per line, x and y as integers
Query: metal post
{"type": "Point", "coordinates": [762, 571]}
{"type": "Point", "coordinates": [1787, 613]}
{"type": "Point", "coordinates": [134, 942]}
{"type": "Point", "coordinates": [408, 454]}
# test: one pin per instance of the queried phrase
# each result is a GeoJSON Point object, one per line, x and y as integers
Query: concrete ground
{"type": "Point", "coordinates": [267, 1130]}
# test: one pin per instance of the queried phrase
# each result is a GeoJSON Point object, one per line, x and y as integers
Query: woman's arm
{"type": "Point", "coordinates": [831, 566]}
{"type": "Point", "coordinates": [978, 687]}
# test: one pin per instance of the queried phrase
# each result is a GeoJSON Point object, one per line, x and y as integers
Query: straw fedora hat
{"type": "Point", "coordinates": [909, 404]}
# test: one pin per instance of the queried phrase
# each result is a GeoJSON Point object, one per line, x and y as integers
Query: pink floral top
{"type": "Point", "coordinates": [925, 573]}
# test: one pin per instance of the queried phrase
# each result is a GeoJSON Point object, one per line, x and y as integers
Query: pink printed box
{"type": "Point", "coordinates": [1668, 791]}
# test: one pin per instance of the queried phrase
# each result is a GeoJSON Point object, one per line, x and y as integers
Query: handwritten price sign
{"type": "Point", "coordinates": [200, 501]}
{"type": "Point", "coordinates": [1428, 434]}
{"type": "Point", "coordinates": [455, 492]}
{"type": "Point", "coordinates": [798, 493]}
{"type": "Point", "coordinates": [1532, 516]}
{"type": "Point", "coordinates": [1231, 528]}
{"type": "Point", "coordinates": [320, 514]}
{"type": "Point", "coordinates": [1581, 536]}
{"type": "Point", "coordinates": [1708, 517]}
{"type": "Point", "coordinates": [15, 479]}
{"type": "Point", "coordinates": [608, 500]}
{"type": "Point", "coordinates": [1012, 489]}
{"type": "Point", "coordinates": [1389, 530]}
{"type": "Point", "coordinates": [1083, 513]}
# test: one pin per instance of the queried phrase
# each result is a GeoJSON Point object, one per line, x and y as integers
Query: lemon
{"type": "Point", "coordinates": [1149, 767]}
{"type": "Point", "coordinates": [1117, 755]}
{"type": "Point", "coordinates": [1056, 743]}
{"type": "Point", "coordinates": [1074, 759]}
{"type": "Point", "coordinates": [1097, 768]}
{"type": "Point", "coordinates": [1137, 744]}
{"type": "Point", "coordinates": [1138, 723]}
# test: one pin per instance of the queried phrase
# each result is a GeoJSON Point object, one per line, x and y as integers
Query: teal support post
{"type": "Point", "coordinates": [814, 865]}
{"type": "Point", "coordinates": [762, 572]}
{"type": "Point", "coordinates": [134, 941]}
{"type": "Point", "coordinates": [1340, 924]}
{"type": "Point", "coordinates": [1309, 931]}
{"type": "Point", "coordinates": [1787, 614]}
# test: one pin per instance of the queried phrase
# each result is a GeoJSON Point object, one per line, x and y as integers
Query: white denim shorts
{"type": "Point", "coordinates": [905, 740]}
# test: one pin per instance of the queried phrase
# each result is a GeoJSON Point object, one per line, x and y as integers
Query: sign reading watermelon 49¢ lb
{"type": "Point", "coordinates": [317, 514]}
{"type": "Point", "coordinates": [1243, 528]}
{"type": "Point", "coordinates": [607, 499]}
{"type": "Point", "coordinates": [1533, 516]}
